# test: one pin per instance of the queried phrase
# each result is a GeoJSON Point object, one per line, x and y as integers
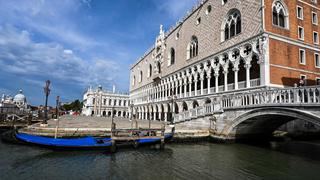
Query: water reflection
{"type": "Point", "coordinates": [177, 161]}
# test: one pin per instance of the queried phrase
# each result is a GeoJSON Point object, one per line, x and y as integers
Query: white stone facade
{"type": "Point", "coordinates": [200, 58]}
{"type": "Point", "coordinates": [99, 102]}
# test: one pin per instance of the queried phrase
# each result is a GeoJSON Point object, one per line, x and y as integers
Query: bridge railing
{"type": "Point", "coordinates": [300, 95]}
{"type": "Point", "coordinates": [285, 96]}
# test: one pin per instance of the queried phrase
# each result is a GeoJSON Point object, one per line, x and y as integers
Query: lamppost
{"type": "Point", "coordinates": [46, 92]}
{"type": "Point", "coordinates": [57, 106]}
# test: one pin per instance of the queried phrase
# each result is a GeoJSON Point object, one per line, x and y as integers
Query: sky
{"type": "Point", "coordinates": [77, 43]}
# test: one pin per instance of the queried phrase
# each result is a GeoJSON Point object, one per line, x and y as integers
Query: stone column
{"type": "Point", "coordinates": [236, 85]}
{"type": "Point", "coordinates": [180, 89]}
{"type": "Point", "coordinates": [248, 66]}
{"type": "Point", "coordinates": [166, 91]}
{"type": "Point", "coordinates": [165, 116]}
{"type": "Point", "coordinates": [209, 79]}
{"type": "Point", "coordinates": [216, 75]}
{"type": "Point", "coordinates": [225, 72]}
{"type": "Point", "coordinates": [201, 83]}
{"type": "Point", "coordinates": [190, 85]}
{"type": "Point", "coordinates": [154, 116]}
{"type": "Point", "coordinates": [195, 86]}
{"type": "Point", "coordinates": [177, 88]}
{"type": "Point", "coordinates": [185, 88]}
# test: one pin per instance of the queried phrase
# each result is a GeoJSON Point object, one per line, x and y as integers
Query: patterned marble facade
{"type": "Point", "coordinates": [225, 47]}
{"type": "Point", "coordinates": [104, 103]}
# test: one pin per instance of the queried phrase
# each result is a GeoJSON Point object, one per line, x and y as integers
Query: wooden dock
{"type": "Point", "coordinates": [119, 136]}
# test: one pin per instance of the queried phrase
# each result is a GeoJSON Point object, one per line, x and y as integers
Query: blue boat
{"type": "Point", "coordinates": [72, 143]}
{"type": "Point", "coordinates": [82, 143]}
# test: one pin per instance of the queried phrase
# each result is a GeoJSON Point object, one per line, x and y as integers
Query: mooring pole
{"type": "Point", "coordinates": [57, 116]}
{"type": "Point", "coordinates": [162, 136]}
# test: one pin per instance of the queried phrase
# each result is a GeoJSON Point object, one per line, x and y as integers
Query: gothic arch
{"type": "Point", "coordinates": [280, 14]}
{"type": "Point", "coordinates": [231, 25]}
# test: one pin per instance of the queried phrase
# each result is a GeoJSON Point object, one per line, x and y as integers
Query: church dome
{"type": "Point", "coordinates": [19, 97]}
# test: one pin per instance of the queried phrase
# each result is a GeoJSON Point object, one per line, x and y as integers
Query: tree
{"type": "Point", "coordinates": [74, 106]}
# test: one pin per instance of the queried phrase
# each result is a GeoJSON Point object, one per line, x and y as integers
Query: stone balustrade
{"type": "Point", "coordinates": [293, 96]}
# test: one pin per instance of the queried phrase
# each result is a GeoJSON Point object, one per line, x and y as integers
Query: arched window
{"type": "Point", "coordinates": [279, 14]}
{"type": "Point", "coordinates": [232, 26]}
{"type": "Point", "coordinates": [159, 67]}
{"type": "Point", "coordinates": [192, 50]}
{"type": "Point", "coordinates": [150, 70]}
{"type": "Point", "coordinates": [140, 78]}
{"type": "Point", "coordinates": [172, 56]}
{"type": "Point", "coordinates": [133, 82]}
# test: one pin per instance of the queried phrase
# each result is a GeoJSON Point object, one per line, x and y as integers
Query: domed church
{"type": "Point", "coordinates": [20, 100]}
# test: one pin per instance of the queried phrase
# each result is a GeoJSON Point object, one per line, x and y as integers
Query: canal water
{"type": "Point", "coordinates": [294, 160]}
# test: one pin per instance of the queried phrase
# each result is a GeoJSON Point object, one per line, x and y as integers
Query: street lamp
{"type": "Point", "coordinates": [57, 106]}
{"type": "Point", "coordinates": [46, 92]}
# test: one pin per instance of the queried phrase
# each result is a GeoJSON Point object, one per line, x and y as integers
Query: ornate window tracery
{"type": "Point", "coordinates": [192, 50]}
{"type": "Point", "coordinates": [279, 14]}
{"type": "Point", "coordinates": [232, 25]}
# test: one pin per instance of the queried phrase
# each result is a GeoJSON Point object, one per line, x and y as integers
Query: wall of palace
{"type": "Point", "coordinates": [208, 31]}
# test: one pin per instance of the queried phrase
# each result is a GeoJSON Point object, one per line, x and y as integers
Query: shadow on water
{"type": "Point", "coordinates": [305, 149]}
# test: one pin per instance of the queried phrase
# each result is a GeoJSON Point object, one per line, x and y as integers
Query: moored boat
{"type": "Point", "coordinates": [85, 142]}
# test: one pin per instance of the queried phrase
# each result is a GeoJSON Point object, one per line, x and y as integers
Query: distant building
{"type": "Point", "coordinates": [19, 101]}
{"type": "Point", "coordinates": [100, 102]}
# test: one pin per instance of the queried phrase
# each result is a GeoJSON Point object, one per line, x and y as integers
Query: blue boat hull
{"type": "Point", "coordinates": [80, 143]}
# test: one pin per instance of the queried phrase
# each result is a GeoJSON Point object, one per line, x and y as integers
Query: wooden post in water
{"type": "Point", "coordinates": [162, 137]}
{"type": "Point", "coordinates": [113, 141]}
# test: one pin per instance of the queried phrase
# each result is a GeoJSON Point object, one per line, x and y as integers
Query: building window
{"type": "Point", "coordinates": [150, 70]}
{"type": "Point", "coordinates": [209, 8]}
{"type": "Point", "coordinates": [192, 50]}
{"type": "Point", "coordinates": [224, 2]}
{"type": "Point", "coordinates": [171, 57]}
{"type": "Point", "coordinates": [177, 36]}
{"type": "Point", "coordinates": [316, 60]}
{"type": "Point", "coordinates": [299, 12]}
{"type": "Point", "coordinates": [232, 25]}
{"type": "Point", "coordinates": [315, 37]}
{"type": "Point", "coordinates": [140, 78]}
{"type": "Point", "coordinates": [300, 33]}
{"type": "Point", "coordinates": [279, 15]}
{"type": "Point", "coordinates": [303, 80]}
{"type": "Point", "coordinates": [198, 21]}
{"type": "Point", "coordinates": [133, 80]}
{"type": "Point", "coordinates": [302, 56]}
{"type": "Point", "coordinates": [314, 18]}
{"type": "Point", "coordinates": [317, 81]}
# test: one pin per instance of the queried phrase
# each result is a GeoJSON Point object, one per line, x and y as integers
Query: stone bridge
{"type": "Point", "coordinates": [255, 115]}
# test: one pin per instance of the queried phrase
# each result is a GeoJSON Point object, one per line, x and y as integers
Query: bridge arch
{"type": "Point", "coordinates": [260, 123]}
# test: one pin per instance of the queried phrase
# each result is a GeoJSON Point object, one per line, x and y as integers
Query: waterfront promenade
{"type": "Point", "coordinates": [70, 126]}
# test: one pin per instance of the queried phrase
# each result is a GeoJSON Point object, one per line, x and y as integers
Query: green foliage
{"type": "Point", "coordinates": [74, 106]}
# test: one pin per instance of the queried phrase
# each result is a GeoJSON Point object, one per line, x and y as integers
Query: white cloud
{"type": "Point", "coordinates": [23, 56]}
{"type": "Point", "coordinates": [53, 19]}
